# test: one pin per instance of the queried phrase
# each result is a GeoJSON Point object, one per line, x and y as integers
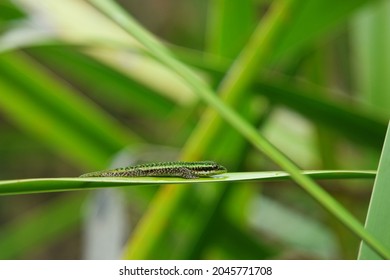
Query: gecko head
{"type": "Point", "coordinates": [209, 168]}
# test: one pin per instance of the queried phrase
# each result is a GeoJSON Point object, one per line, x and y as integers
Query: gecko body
{"type": "Point", "coordinates": [187, 170]}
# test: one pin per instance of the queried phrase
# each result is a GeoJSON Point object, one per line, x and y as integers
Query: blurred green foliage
{"type": "Point", "coordinates": [76, 91]}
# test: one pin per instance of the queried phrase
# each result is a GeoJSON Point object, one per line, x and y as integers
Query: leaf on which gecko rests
{"type": "Point", "coordinates": [25, 186]}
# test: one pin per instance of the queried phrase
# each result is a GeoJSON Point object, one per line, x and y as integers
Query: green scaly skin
{"type": "Point", "coordinates": [187, 170]}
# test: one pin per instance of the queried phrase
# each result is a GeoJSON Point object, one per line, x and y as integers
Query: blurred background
{"type": "Point", "coordinates": [79, 94]}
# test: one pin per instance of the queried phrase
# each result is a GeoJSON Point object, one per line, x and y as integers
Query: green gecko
{"type": "Point", "coordinates": [187, 170]}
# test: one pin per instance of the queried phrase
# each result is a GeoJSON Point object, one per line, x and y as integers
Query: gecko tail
{"type": "Point", "coordinates": [92, 174]}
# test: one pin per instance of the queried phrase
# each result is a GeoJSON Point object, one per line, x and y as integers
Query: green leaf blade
{"type": "Point", "coordinates": [68, 184]}
{"type": "Point", "coordinates": [378, 217]}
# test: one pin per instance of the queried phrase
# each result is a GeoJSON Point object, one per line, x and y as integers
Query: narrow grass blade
{"type": "Point", "coordinates": [378, 217]}
{"type": "Point", "coordinates": [69, 184]}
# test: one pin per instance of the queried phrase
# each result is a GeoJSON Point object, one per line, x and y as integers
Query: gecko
{"type": "Point", "coordinates": [187, 170]}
